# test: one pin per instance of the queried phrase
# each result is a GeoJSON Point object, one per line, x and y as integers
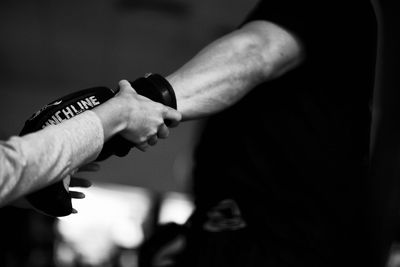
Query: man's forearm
{"type": "Point", "coordinates": [227, 69]}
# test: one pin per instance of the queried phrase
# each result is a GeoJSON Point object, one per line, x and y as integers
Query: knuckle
{"type": "Point", "coordinates": [160, 122]}
{"type": "Point", "coordinates": [161, 108]}
{"type": "Point", "coordinates": [141, 140]}
{"type": "Point", "coordinates": [151, 134]}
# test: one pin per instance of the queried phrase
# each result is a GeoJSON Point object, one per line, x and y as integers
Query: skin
{"type": "Point", "coordinates": [228, 68]}
{"type": "Point", "coordinates": [135, 117]}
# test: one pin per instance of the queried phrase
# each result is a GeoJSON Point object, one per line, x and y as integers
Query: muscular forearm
{"type": "Point", "coordinates": [224, 71]}
{"type": "Point", "coordinates": [38, 159]}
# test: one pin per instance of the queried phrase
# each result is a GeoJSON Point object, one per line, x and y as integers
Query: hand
{"type": "Point", "coordinates": [72, 181]}
{"type": "Point", "coordinates": [145, 119]}
{"type": "Point", "coordinates": [69, 181]}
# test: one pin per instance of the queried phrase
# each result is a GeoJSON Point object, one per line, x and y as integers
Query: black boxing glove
{"type": "Point", "coordinates": [55, 200]}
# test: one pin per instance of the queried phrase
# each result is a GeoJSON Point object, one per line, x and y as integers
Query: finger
{"type": "Point", "coordinates": [79, 182]}
{"type": "Point", "coordinates": [163, 131]}
{"type": "Point", "coordinates": [66, 182]}
{"type": "Point", "coordinates": [90, 167]}
{"type": "Point", "coordinates": [74, 211]}
{"type": "Point", "coordinates": [75, 194]}
{"type": "Point", "coordinates": [142, 146]}
{"type": "Point", "coordinates": [73, 171]}
{"type": "Point", "coordinates": [125, 85]}
{"type": "Point", "coordinates": [172, 117]}
{"type": "Point", "coordinates": [152, 140]}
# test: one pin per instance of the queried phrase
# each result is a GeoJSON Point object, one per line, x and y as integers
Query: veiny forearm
{"type": "Point", "coordinates": [227, 69]}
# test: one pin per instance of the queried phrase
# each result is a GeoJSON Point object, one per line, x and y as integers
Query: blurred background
{"type": "Point", "coordinates": [52, 48]}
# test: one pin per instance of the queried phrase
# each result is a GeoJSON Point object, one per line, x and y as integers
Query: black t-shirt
{"type": "Point", "coordinates": [293, 152]}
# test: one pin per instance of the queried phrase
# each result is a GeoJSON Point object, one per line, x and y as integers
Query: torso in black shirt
{"type": "Point", "coordinates": [293, 152]}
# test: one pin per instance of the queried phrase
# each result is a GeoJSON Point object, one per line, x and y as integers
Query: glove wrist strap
{"type": "Point", "coordinates": [157, 88]}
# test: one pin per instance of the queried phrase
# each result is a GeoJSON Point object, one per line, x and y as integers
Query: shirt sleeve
{"type": "Point", "coordinates": [32, 161]}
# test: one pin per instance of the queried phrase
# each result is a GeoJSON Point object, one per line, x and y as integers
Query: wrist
{"type": "Point", "coordinates": [113, 115]}
{"type": "Point", "coordinates": [183, 97]}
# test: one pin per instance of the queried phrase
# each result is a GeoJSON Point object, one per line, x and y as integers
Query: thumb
{"type": "Point", "coordinates": [124, 85]}
{"type": "Point", "coordinates": [66, 181]}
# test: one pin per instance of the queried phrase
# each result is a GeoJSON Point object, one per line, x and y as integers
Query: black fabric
{"type": "Point", "coordinates": [295, 156]}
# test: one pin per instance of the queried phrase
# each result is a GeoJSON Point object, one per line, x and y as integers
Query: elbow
{"type": "Point", "coordinates": [275, 49]}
